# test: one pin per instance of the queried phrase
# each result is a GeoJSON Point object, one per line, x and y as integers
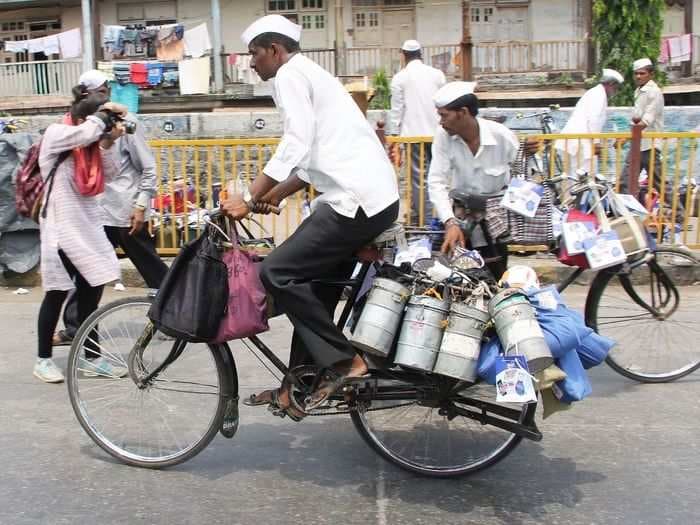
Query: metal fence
{"type": "Point", "coordinates": [191, 173]}
{"type": "Point", "coordinates": [49, 77]}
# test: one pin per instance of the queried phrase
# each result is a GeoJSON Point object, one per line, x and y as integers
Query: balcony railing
{"type": "Point", "coordinates": [49, 77]}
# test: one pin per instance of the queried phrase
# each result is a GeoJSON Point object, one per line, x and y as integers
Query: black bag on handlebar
{"type": "Point", "coordinates": [191, 301]}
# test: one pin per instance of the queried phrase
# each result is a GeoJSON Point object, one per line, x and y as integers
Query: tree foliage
{"type": "Point", "coordinates": [382, 91]}
{"type": "Point", "coordinates": [625, 30]}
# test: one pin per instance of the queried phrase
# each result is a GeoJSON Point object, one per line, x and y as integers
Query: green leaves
{"type": "Point", "coordinates": [382, 91]}
{"type": "Point", "coordinates": [625, 30]}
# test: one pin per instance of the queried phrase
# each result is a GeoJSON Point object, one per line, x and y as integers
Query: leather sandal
{"type": "Point", "coordinates": [258, 400]}
{"type": "Point", "coordinates": [329, 383]}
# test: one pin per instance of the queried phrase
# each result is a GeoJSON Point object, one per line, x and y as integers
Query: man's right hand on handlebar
{"type": "Point", "coordinates": [454, 236]}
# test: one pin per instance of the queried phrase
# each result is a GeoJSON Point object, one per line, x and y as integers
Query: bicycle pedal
{"type": "Point", "coordinates": [229, 423]}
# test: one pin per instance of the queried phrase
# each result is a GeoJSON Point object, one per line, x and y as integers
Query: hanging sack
{"type": "Point", "coordinates": [246, 312]}
{"type": "Point", "coordinates": [191, 301]}
{"type": "Point", "coordinates": [508, 226]}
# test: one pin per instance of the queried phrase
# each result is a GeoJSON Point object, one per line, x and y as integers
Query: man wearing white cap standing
{"type": "Point", "coordinates": [328, 143]}
{"type": "Point", "coordinates": [413, 114]}
{"type": "Point", "coordinates": [649, 107]}
{"type": "Point", "coordinates": [589, 116]}
{"type": "Point", "coordinates": [473, 156]}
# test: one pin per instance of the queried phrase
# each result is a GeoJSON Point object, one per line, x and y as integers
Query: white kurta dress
{"type": "Point", "coordinates": [589, 116]}
{"type": "Point", "coordinates": [74, 223]}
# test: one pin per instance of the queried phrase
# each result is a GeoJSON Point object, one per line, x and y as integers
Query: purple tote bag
{"type": "Point", "coordinates": [246, 312]}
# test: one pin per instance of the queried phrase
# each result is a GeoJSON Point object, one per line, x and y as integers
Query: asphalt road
{"type": "Point", "coordinates": [628, 454]}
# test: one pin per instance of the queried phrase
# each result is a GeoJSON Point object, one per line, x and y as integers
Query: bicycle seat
{"type": "Point", "coordinates": [473, 203]}
{"type": "Point", "coordinates": [371, 252]}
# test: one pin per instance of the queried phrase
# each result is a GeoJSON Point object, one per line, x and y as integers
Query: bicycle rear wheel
{"type": "Point", "coordinates": [167, 421]}
{"type": "Point", "coordinates": [421, 437]}
{"type": "Point", "coordinates": [652, 314]}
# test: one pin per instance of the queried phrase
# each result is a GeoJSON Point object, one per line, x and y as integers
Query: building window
{"type": "Point", "coordinates": [374, 20]}
{"type": "Point", "coordinates": [312, 4]}
{"type": "Point", "coordinates": [360, 20]}
{"type": "Point", "coordinates": [488, 14]}
{"type": "Point", "coordinates": [476, 14]}
{"type": "Point", "coordinates": [281, 5]}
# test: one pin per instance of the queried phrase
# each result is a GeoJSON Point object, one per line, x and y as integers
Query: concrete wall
{"type": "Point", "coordinates": [243, 123]}
{"type": "Point", "coordinates": [553, 20]}
{"type": "Point", "coordinates": [438, 23]}
{"type": "Point", "coordinates": [71, 17]}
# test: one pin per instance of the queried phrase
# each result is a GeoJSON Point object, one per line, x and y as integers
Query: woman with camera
{"type": "Point", "coordinates": [75, 252]}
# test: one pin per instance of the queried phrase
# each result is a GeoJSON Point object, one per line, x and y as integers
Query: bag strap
{"type": "Point", "coordinates": [50, 178]}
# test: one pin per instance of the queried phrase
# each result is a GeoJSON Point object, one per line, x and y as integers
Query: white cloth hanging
{"type": "Point", "coordinates": [51, 46]}
{"type": "Point", "coordinates": [70, 43]}
{"type": "Point", "coordinates": [197, 41]}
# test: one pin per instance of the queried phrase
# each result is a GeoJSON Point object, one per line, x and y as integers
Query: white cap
{"type": "Point", "coordinates": [452, 91]}
{"type": "Point", "coordinates": [93, 79]}
{"type": "Point", "coordinates": [271, 24]}
{"type": "Point", "coordinates": [639, 64]}
{"type": "Point", "coordinates": [611, 75]}
{"type": "Point", "coordinates": [411, 45]}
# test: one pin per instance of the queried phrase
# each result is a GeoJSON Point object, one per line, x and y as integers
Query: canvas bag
{"type": "Point", "coordinates": [191, 301]}
{"type": "Point", "coordinates": [246, 311]}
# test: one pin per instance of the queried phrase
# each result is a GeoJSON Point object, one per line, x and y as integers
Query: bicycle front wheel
{"type": "Point", "coordinates": [651, 313]}
{"type": "Point", "coordinates": [164, 422]}
{"type": "Point", "coordinates": [423, 438]}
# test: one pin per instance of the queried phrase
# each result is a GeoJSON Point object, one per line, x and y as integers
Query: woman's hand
{"type": "Point", "coordinates": [235, 207]}
{"type": "Point", "coordinates": [118, 109]}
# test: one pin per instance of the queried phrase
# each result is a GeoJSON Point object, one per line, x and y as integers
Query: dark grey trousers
{"type": "Point", "coordinates": [319, 248]}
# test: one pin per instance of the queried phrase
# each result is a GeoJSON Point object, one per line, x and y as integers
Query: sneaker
{"type": "Point", "coordinates": [100, 367]}
{"type": "Point", "coordinates": [47, 371]}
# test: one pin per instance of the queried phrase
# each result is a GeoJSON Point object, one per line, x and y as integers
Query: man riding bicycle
{"type": "Point", "coordinates": [473, 156]}
{"type": "Point", "coordinates": [328, 143]}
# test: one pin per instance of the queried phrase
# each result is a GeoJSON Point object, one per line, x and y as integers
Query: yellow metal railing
{"type": "Point", "coordinates": [191, 173]}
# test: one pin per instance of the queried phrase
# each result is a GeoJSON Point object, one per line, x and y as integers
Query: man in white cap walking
{"type": "Point", "coordinates": [589, 116]}
{"type": "Point", "coordinates": [649, 107]}
{"type": "Point", "coordinates": [328, 143]}
{"type": "Point", "coordinates": [413, 114]}
{"type": "Point", "coordinates": [473, 156]}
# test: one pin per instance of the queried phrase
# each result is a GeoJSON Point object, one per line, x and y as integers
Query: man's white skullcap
{"type": "Point", "coordinates": [452, 91]}
{"type": "Point", "coordinates": [611, 75]}
{"type": "Point", "coordinates": [93, 79]}
{"type": "Point", "coordinates": [642, 62]}
{"type": "Point", "coordinates": [271, 24]}
{"type": "Point", "coordinates": [411, 45]}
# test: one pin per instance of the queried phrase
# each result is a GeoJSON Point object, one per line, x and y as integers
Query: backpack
{"type": "Point", "coordinates": [29, 185]}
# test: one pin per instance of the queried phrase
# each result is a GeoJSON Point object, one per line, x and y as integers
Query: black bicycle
{"type": "Point", "coordinates": [176, 396]}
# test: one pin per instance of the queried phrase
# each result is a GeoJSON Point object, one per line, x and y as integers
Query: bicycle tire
{"type": "Point", "coordinates": [98, 433]}
{"type": "Point", "coordinates": [617, 358]}
{"type": "Point", "coordinates": [414, 465]}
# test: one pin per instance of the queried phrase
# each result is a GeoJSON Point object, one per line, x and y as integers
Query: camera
{"type": "Point", "coordinates": [129, 126]}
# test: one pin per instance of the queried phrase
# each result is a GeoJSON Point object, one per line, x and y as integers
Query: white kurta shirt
{"type": "Point", "coordinates": [454, 166]}
{"type": "Point", "coordinates": [413, 112]}
{"type": "Point", "coordinates": [649, 106]}
{"type": "Point", "coordinates": [328, 142]}
{"type": "Point", "coordinates": [588, 116]}
{"type": "Point", "coordinates": [74, 223]}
